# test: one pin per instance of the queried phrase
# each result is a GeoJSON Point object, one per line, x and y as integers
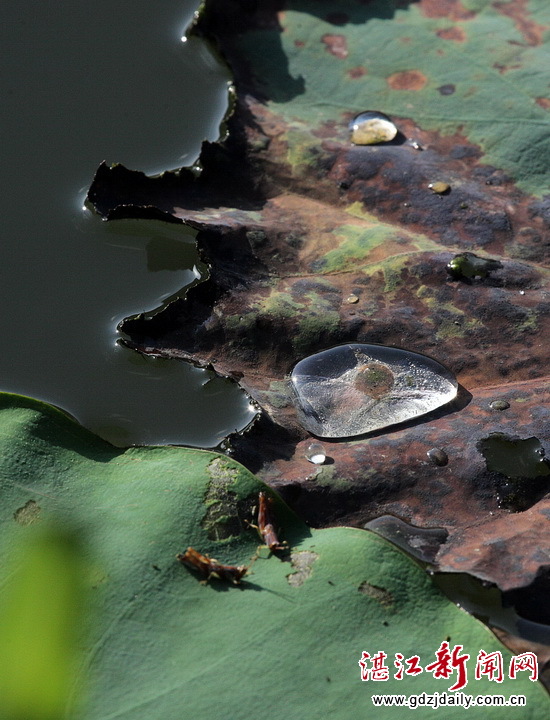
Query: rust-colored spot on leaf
{"type": "Point", "coordinates": [543, 102]}
{"type": "Point", "coordinates": [505, 68]}
{"type": "Point", "coordinates": [453, 9]}
{"type": "Point", "coordinates": [336, 45]}
{"type": "Point", "coordinates": [299, 43]}
{"type": "Point", "coordinates": [453, 33]}
{"type": "Point", "coordinates": [357, 72]}
{"type": "Point", "coordinates": [407, 80]}
{"type": "Point", "coordinates": [517, 11]}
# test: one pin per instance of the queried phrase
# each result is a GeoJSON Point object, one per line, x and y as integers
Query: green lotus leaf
{"type": "Point", "coordinates": [285, 642]}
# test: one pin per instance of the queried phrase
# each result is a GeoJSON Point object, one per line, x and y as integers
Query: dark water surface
{"type": "Point", "coordinates": [84, 82]}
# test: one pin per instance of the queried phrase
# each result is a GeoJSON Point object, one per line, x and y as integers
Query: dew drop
{"type": "Point", "coordinates": [354, 389]}
{"type": "Point", "coordinates": [315, 453]}
{"type": "Point", "coordinates": [371, 128]}
{"type": "Point", "coordinates": [440, 188]}
{"type": "Point", "coordinates": [438, 456]}
{"type": "Point", "coordinates": [352, 299]}
{"type": "Point", "coordinates": [499, 405]}
{"type": "Point", "coordinates": [467, 265]}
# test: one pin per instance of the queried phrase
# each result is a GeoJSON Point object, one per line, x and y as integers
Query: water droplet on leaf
{"type": "Point", "coordinates": [352, 299]}
{"type": "Point", "coordinates": [315, 453]}
{"type": "Point", "coordinates": [354, 389]}
{"type": "Point", "coordinates": [499, 405]}
{"type": "Point", "coordinates": [467, 265]}
{"type": "Point", "coordinates": [371, 127]}
{"type": "Point", "coordinates": [438, 456]}
{"type": "Point", "coordinates": [440, 188]}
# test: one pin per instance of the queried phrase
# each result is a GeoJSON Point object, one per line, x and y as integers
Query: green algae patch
{"type": "Point", "coordinates": [356, 246]}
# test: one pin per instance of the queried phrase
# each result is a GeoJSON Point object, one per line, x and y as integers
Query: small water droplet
{"type": "Point", "coordinates": [440, 188]}
{"type": "Point", "coordinates": [354, 389]}
{"type": "Point", "coordinates": [438, 456]}
{"type": "Point", "coordinates": [315, 453]}
{"type": "Point", "coordinates": [522, 292]}
{"type": "Point", "coordinates": [467, 265]}
{"type": "Point", "coordinates": [352, 299]}
{"type": "Point", "coordinates": [499, 405]}
{"type": "Point", "coordinates": [371, 128]}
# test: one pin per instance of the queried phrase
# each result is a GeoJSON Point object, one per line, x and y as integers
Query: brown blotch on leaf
{"type": "Point", "coordinates": [543, 102]}
{"type": "Point", "coordinates": [299, 43]}
{"type": "Point", "coordinates": [453, 33]}
{"type": "Point", "coordinates": [407, 80]}
{"type": "Point", "coordinates": [336, 45]}
{"type": "Point", "coordinates": [517, 11]}
{"type": "Point", "coordinates": [357, 72]}
{"type": "Point", "coordinates": [452, 9]}
{"type": "Point", "coordinates": [505, 68]}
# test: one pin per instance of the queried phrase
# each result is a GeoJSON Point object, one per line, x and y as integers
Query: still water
{"type": "Point", "coordinates": [82, 83]}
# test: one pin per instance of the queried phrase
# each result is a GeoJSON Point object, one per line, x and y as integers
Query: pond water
{"type": "Point", "coordinates": [83, 83]}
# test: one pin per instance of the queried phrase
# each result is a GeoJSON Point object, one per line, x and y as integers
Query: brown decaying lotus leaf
{"type": "Point", "coordinates": [290, 232]}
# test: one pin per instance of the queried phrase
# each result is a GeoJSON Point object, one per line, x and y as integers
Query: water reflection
{"type": "Point", "coordinates": [80, 86]}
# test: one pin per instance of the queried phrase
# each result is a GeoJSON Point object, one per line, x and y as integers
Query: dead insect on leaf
{"type": "Point", "coordinates": [266, 525]}
{"type": "Point", "coordinates": [208, 567]}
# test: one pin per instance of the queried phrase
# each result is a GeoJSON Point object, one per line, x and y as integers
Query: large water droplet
{"type": "Point", "coordinates": [315, 453]}
{"type": "Point", "coordinates": [354, 389]}
{"type": "Point", "coordinates": [371, 128]}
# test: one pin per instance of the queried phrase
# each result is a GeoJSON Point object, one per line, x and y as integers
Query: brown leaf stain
{"type": "Point", "coordinates": [517, 10]}
{"type": "Point", "coordinates": [505, 68]}
{"type": "Point", "coordinates": [452, 9]}
{"type": "Point", "coordinates": [336, 45]}
{"type": "Point", "coordinates": [328, 129]}
{"type": "Point", "coordinates": [407, 80]}
{"type": "Point", "coordinates": [544, 102]}
{"type": "Point", "coordinates": [357, 72]}
{"type": "Point", "coordinates": [456, 34]}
